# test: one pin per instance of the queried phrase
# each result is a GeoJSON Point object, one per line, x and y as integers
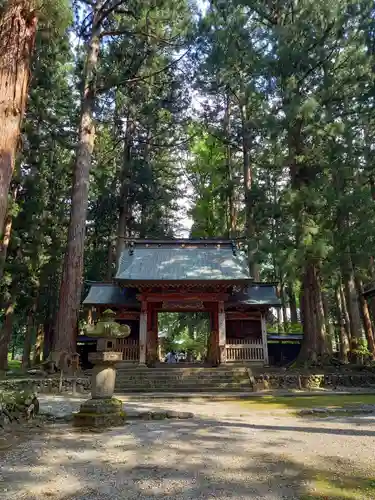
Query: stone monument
{"type": "Point", "coordinates": [103, 409]}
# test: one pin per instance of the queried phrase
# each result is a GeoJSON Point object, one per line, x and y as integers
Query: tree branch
{"type": "Point", "coordinates": [150, 75]}
{"type": "Point", "coordinates": [105, 12]}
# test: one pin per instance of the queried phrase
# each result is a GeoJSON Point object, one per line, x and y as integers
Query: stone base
{"type": "Point", "coordinates": [100, 413]}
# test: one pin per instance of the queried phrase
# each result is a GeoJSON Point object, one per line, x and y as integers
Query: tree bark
{"type": "Point", "coordinates": [26, 363]}
{"type": "Point", "coordinates": [231, 208]}
{"type": "Point", "coordinates": [4, 242]}
{"type": "Point", "coordinates": [124, 205]}
{"type": "Point", "coordinates": [38, 349]}
{"type": "Point", "coordinates": [17, 35]}
{"type": "Point", "coordinates": [247, 183]}
{"type": "Point", "coordinates": [330, 330]}
{"type": "Point", "coordinates": [366, 319]}
{"type": "Point", "coordinates": [47, 340]}
{"type": "Point", "coordinates": [6, 330]}
{"type": "Point", "coordinates": [313, 343]}
{"type": "Point", "coordinates": [110, 260]}
{"type": "Point", "coordinates": [71, 283]}
{"type": "Point", "coordinates": [351, 295]}
{"type": "Point", "coordinates": [345, 315]}
{"type": "Point", "coordinates": [343, 335]}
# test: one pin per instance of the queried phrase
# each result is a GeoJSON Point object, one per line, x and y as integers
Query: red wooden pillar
{"type": "Point", "coordinates": [213, 344]}
{"type": "Point", "coordinates": [222, 333]}
{"type": "Point", "coordinates": [143, 333]}
{"type": "Point", "coordinates": [152, 334]}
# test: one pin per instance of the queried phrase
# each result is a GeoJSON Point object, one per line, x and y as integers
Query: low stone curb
{"type": "Point", "coordinates": [129, 415]}
{"type": "Point", "coordinates": [361, 409]}
{"type": "Point", "coordinates": [157, 415]}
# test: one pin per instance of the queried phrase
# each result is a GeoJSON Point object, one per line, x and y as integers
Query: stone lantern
{"type": "Point", "coordinates": [102, 409]}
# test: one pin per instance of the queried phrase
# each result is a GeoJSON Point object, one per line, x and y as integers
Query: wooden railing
{"type": "Point", "coordinates": [244, 350]}
{"type": "Point", "coordinates": [129, 349]}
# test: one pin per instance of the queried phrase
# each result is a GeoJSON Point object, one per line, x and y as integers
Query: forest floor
{"type": "Point", "coordinates": [227, 451]}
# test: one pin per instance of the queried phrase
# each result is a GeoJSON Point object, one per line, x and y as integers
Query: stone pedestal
{"type": "Point", "coordinates": [103, 376]}
{"type": "Point", "coordinates": [100, 413]}
{"type": "Point", "coordinates": [102, 409]}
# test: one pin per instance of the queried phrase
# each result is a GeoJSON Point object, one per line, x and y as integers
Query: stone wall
{"type": "Point", "coordinates": [314, 381]}
{"type": "Point", "coordinates": [259, 382]}
{"type": "Point", "coordinates": [48, 384]}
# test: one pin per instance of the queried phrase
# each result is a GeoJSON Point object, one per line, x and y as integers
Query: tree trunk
{"type": "Point", "coordinates": [71, 283]}
{"type": "Point", "coordinates": [311, 308]}
{"type": "Point", "coordinates": [6, 330]}
{"type": "Point", "coordinates": [247, 183]}
{"type": "Point", "coordinates": [292, 304]}
{"type": "Point", "coordinates": [26, 364]}
{"type": "Point", "coordinates": [38, 349]}
{"type": "Point", "coordinates": [110, 260]}
{"type": "Point", "coordinates": [47, 340]}
{"type": "Point", "coordinates": [17, 34]}
{"type": "Point", "coordinates": [230, 202]}
{"type": "Point", "coordinates": [124, 205]}
{"type": "Point", "coordinates": [330, 330]}
{"type": "Point", "coordinates": [351, 295]}
{"type": "Point", "coordinates": [4, 243]}
{"type": "Point", "coordinates": [344, 309]}
{"type": "Point", "coordinates": [283, 307]}
{"type": "Point", "coordinates": [343, 335]}
{"type": "Point", "coordinates": [366, 319]}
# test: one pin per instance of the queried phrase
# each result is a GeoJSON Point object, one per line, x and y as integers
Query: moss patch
{"type": "Point", "coordinates": [341, 488]}
{"type": "Point", "coordinates": [267, 403]}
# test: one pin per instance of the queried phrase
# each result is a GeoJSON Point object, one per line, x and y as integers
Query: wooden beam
{"type": "Point", "coordinates": [183, 297]}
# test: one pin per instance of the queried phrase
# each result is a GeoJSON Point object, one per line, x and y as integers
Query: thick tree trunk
{"type": "Point", "coordinates": [47, 340]}
{"type": "Point", "coordinates": [26, 363]}
{"type": "Point", "coordinates": [292, 304]}
{"type": "Point", "coordinates": [71, 284]}
{"type": "Point", "coordinates": [313, 343]}
{"type": "Point", "coordinates": [4, 243]}
{"type": "Point", "coordinates": [17, 34]}
{"type": "Point", "coordinates": [6, 330]}
{"type": "Point", "coordinates": [366, 319]}
{"type": "Point", "coordinates": [351, 295]}
{"type": "Point", "coordinates": [343, 335]}
{"type": "Point", "coordinates": [231, 209]}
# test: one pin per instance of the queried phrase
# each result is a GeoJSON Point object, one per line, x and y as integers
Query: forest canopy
{"type": "Point", "coordinates": [243, 119]}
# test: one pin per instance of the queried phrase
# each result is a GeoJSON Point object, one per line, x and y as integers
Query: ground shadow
{"type": "Point", "coordinates": [187, 459]}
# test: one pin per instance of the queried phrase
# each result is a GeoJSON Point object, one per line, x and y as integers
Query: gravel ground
{"type": "Point", "coordinates": [220, 454]}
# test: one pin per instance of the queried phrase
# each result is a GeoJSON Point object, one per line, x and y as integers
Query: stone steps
{"type": "Point", "coordinates": [180, 379]}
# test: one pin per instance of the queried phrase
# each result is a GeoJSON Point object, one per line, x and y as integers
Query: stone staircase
{"type": "Point", "coordinates": [183, 379]}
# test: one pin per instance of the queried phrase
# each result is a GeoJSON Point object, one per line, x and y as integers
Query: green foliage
{"type": "Point", "coordinates": [187, 104]}
{"type": "Point", "coordinates": [185, 332]}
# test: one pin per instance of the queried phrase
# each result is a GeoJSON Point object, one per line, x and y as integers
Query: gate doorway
{"type": "Point", "coordinates": [185, 335]}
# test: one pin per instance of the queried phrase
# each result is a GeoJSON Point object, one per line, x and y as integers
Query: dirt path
{"type": "Point", "coordinates": [216, 455]}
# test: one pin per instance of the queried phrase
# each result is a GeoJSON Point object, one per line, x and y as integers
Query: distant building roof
{"type": "Point", "coordinates": [257, 294]}
{"type": "Point", "coordinates": [111, 295]}
{"type": "Point", "coordinates": [182, 260]}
